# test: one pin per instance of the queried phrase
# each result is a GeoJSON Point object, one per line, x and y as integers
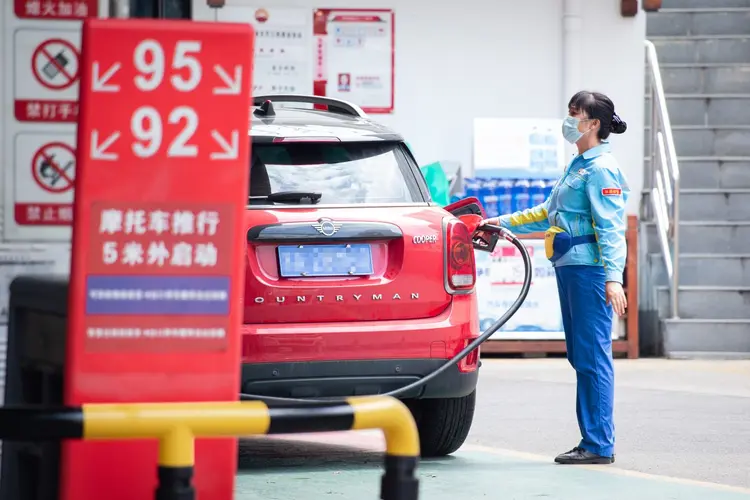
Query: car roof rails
{"type": "Point", "coordinates": [335, 105]}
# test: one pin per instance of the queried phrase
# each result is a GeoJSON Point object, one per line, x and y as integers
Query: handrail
{"type": "Point", "coordinates": [663, 178]}
{"type": "Point", "coordinates": [177, 425]}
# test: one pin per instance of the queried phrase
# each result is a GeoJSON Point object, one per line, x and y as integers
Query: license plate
{"type": "Point", "coordinates": [324, 260]}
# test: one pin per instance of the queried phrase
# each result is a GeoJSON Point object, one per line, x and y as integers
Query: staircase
{"type": "Point", "coordinates": [703, 48]}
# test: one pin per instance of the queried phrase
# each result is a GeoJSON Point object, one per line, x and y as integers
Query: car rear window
{"type": "Point", "coordinates": [343, 172]}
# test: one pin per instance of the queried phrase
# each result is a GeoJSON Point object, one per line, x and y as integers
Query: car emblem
{"type": "Point", "coordinates": [327, 227]}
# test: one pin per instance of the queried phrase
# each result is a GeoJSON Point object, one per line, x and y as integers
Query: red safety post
{"type": "Point", "coordinates": [158, 245]}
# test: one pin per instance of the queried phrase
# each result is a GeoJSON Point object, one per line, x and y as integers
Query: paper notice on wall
{"type": "Point", "coordinates": [499, 280]}
{"type": "Point", "coordinates": [283, 47]}
{"type": "Point", "coordinates": [356, 53]}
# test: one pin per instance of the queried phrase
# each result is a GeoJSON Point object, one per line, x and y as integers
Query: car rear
{"type": "Point", "coordinates": [356, 284]}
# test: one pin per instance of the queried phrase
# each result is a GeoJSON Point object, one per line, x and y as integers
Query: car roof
{"type": "Point", "coordinates": [342, 120]}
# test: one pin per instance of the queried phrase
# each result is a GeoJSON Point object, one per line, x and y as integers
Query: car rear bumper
{"type": "Point", "coordinates": [322, 379]}
{"type": "Point", "coordinates": [438, 338]}
{"type": "Point", "coordinates": [314, 360]}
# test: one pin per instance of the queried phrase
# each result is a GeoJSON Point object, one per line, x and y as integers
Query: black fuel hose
{"type": "Point", "coordinates": [458, 357]}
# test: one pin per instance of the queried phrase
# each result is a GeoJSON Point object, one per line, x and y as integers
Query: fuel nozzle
{"type": "Point", "coordinates": [485, 237]}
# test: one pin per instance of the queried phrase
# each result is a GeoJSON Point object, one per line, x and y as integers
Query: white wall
{"type": "Point", "coordinates": [455, 62]}
{"type": "Point", "coordinates": [615, 46]}
{"type": "Point", "coordinates": [478, 58]}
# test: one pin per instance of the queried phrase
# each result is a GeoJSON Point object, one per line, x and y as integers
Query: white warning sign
{"type": "Point", "coordinates": [54, 64]}
{"type": "Point", "coordinates": [44, 177]}
{"type": "Point", "coordinates": [47, 72]}
{"type": "Point", "coordinates": [53, 167]}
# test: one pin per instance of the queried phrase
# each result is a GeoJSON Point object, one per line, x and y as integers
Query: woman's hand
{"type": "Point", "coordinates": [492, 221]}
{"type": "Point", "coordinates": [616, 297]}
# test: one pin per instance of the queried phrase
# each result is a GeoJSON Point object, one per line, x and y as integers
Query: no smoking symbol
{"type": "Point", "coordinates": [55, 64]}
{"type": "Point", "coordinates": [53, 167]}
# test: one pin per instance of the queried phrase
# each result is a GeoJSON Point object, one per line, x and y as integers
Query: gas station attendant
{"type": "Point", "coordinates": [584, 224]}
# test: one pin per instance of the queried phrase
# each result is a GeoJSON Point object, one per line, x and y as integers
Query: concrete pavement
{"type": "Point", "coordinates": [683, 433]}
{"type": "Point", "coordinates": [688, 419]}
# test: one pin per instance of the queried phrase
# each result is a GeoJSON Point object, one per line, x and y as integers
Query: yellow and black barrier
{"type": "Point", "coordinates": [177, 425]}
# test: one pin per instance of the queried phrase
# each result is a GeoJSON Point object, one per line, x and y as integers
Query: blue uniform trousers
{"type": "Point", "coordinates": [587, 320]}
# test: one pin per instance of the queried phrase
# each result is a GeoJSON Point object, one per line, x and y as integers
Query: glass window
{"type": "Point", "coordinates": [343, 172]}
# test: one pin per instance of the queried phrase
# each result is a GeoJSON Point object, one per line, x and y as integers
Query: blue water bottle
{"type": "Point", "coordinates": [471, 187]}
{"type": "Point", "coordinates": [537, 192]}
{"type": "Point", "coordinates": [481, 189]}
{"type": "Point", "coordinates": [504, 197]}
{"type": "Point", "coordinates": [521, 197]}
{"type": "Point", "coordinates": [489, 197]}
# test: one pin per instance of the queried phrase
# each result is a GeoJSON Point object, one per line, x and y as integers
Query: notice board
{"type": "Point", "coordinates": [355, 57]}
{"type": "Point", "coordinates": [346, 54]}
{"type": "Point", "coordinates": [283, 47]}
{"type": "Point", "coordinates": [499, 280]}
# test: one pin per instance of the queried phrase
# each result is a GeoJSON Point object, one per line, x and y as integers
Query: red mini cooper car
{"type": "Point", "coordinates": [356, 282]}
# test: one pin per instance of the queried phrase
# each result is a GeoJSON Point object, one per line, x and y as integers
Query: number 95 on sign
{"type": "Point", "coordinates": [183, 73]}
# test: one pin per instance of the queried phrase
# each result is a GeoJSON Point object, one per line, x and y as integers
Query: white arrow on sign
{"type": "Point", "coordinates": [99, 151]}
{"type": "Point", "coordinates": [230, 151]}
{"type": "Point", "coordinates": [99, 83]}
{"type": "Point", "coordinates": [233, 85]}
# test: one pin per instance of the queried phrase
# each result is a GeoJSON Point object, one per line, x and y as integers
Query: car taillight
{"type": "Point", "coordinates": [460, 268]}
{"type": "Point", "coordinates": [470, 362]}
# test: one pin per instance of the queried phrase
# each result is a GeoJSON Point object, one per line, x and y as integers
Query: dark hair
{"type": "Point", "coordinates": [601, 107]}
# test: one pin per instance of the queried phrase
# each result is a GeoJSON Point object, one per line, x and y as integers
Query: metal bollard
{"type": "Point", "coordinates": [399, 482]}
{"type": "Point", "coordinates": [177, 425]}
{"type": "Point", "coordinates": [176, 465]}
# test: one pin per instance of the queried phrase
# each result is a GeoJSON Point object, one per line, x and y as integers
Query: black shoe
{"type": "Point", "coordinates": [580, 456]}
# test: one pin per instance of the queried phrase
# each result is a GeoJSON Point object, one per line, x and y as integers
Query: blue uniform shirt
{"type": "Point", "coordinates": [589, 198]}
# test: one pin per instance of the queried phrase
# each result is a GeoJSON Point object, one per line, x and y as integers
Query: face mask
{"type": "Point", "coordinates": [570, 129]}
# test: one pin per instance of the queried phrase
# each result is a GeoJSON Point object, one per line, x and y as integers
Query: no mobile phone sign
{"type": "Point", "coordinates": [46, 75]}
{"type": "Point", "coordinates": [55, 64]}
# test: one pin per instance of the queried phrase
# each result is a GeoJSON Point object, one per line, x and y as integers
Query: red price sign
{"type": "Point", "coordinates": [161, 185]}
{"type": "Point", "coordinates": [168, 95]}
